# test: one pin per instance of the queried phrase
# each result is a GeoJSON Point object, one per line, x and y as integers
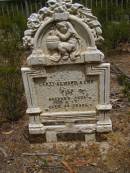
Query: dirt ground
{"type": "Point", "coordinates": [110, 154]}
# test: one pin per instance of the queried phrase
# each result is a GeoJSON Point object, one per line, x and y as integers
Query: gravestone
{"type": "Point", "coordinates": [66, 82]}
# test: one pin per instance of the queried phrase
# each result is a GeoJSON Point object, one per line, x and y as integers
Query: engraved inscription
{"type": "Point", "coordinates": [67, 89]}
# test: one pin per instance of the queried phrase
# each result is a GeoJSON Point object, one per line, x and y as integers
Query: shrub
{"type": "Point", "coordinates": [125, 82]}
{"type": "Point", "coordinates": [11, 88]}
{"type": "Point", "coordinates": [114, 33]}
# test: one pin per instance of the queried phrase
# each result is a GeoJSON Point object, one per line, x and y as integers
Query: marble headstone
{"type": "Point", "coordinates": [66, 82]}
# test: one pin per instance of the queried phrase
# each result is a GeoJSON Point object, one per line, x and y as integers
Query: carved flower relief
{"type": "Point", "coordinates": [28, 38]}
{"type": "Point", "coordinates": [44, 13]}
{"type": "Point", "coordinates": [52, 4]}
{"type": "Point", "coordinates": [33, 21]}
{"type": "Point", "coordinates": [95, 27]}
{"type": "Point", "coordinates": [28, 42]}
{"type": "Point", "coordinates": [97, 36]}
{"type": "Point", "coordinates": [75, 9]}
{"type": "Point", "coordinates": [96, 30]}
{"type": "Point", "coordinates": [68, 1]}
{"type": "Point", "coordinates": [33, 24]}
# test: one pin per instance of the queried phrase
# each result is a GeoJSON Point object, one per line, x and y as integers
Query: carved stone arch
{"type": "Point", "coordinates": [81, 27]}
{"type": "Point", "coordinates": [84, 29]}
{"type": "Point", "coordinates": [41, 32]}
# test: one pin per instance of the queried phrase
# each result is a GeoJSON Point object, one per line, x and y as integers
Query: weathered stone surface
{"type": "Point", "coordinates": [66, 82]}
{"type": "Point", "coordinates": [90, 138]}
{"type": "Point", "coordinates": [67, 88]}
{"type": "Point", "coordinates": [51, 136]}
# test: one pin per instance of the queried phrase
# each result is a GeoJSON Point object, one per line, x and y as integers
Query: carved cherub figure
{"type": "Point", "coordinates": [67, 42]}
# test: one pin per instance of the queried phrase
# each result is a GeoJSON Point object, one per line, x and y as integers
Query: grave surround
{"type": "Point", "coordinates": [67, 84]}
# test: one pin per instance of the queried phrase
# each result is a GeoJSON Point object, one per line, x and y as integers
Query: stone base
{"type": "Point", "coordinates": [52, 132]}
{"type": "Point", "coordinates": [88, 131]}
{"type": "Point", "coordinates": [51, 136]}
{"type": "Point", "coordinates": [104, 126]}
{"type": "Point", "coordinates": [90, 138]}
{"type": "Point", "coordinates": [35, 129]}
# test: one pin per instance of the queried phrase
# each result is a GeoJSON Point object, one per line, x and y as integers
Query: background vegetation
{"type": "Point", "coordinates": [11, 89]}
{"type": "Point", "coordinates": [115, 20]}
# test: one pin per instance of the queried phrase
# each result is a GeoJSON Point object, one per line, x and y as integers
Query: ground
{"type": "Point", "coordinates": [111, 152]}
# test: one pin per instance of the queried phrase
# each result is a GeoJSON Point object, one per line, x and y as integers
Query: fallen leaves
{"type": "Point", "coordinates": [8, 133]}
{"type": "Point", "coordinates": [67, 166]}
